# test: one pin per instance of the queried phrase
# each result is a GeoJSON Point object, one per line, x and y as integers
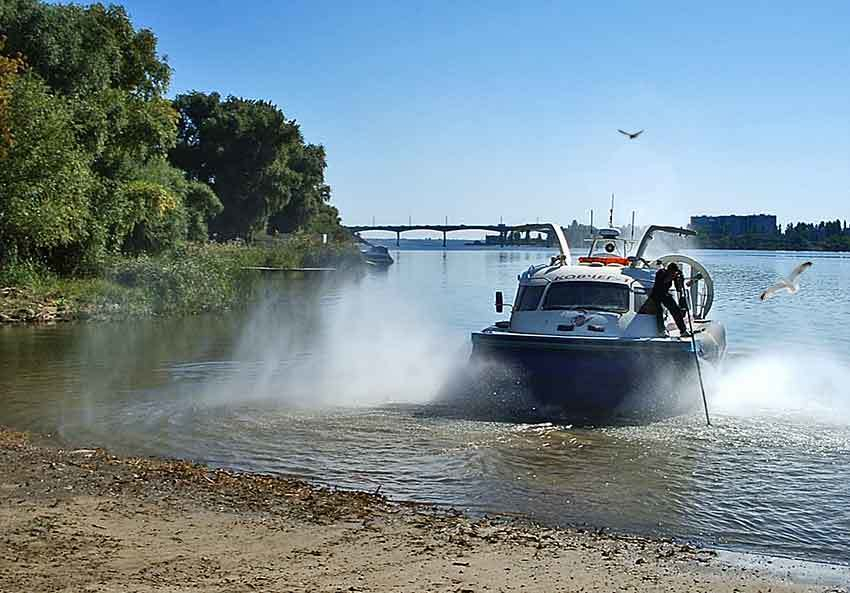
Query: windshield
{"type": "Point", "coordinates": [596, 296]}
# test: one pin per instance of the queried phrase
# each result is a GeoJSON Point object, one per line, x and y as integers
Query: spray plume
{"type": "Point", "coordinates": [352, 346]}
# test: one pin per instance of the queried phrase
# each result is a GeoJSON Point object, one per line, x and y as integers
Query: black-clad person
{"type": "Point", "coordinates": [661, 297]}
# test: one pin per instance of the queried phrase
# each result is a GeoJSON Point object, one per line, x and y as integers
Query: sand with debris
{"type": "Point", "coordinates": [84, 520]}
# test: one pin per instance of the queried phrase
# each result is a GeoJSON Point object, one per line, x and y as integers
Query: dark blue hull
{"type": "Point", "coordinates": [599, 377]}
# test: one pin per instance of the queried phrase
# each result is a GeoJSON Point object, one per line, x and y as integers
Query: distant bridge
{"type": "Point", "coordinates": [504, 230]}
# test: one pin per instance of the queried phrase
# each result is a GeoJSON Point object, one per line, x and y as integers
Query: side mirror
{"type": "Point", "coordinates": [500, 302]}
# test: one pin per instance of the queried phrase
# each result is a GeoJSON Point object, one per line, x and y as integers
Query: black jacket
{"type": "Point", "coordinates": [663, 282]}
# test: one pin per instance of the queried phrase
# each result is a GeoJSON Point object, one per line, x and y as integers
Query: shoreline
{"type": "Point", "coordinates": [193, 279]}
{"type": "Point", "coordinates": [83, 519]}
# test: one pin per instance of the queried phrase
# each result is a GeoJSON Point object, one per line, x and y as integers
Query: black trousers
{"type": "Point", "coordinates": [678, 316]}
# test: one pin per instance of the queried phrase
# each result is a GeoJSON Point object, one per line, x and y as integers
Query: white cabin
{"type": "Point", "coordinates": [602, 293]}
{"type": "Point", "coordinates": [581, 300]}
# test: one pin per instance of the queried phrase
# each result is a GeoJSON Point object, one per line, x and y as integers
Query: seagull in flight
{"type": "Point", "coordinates": [791, 284]}
{"type": "Point", "coordinates": [630, 135]}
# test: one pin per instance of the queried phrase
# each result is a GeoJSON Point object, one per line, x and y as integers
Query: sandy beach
{"type": "Point", "coordinates": [85, 520]}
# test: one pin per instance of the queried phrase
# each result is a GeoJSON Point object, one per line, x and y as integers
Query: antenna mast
{"type": "Point", "coordinates": [633, 225]}
{"type": "Point", "coordinates": [611, 213]}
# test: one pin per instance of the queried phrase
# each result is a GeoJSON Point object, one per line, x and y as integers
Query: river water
{"type": "Point", "coordinates": [350, 382]}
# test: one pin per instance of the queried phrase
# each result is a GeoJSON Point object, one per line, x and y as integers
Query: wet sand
{"type": "Point", "coordinates": [85, 520]}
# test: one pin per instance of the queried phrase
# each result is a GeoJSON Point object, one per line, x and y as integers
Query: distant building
{"type": "Point", "coordinates": [732, 225]}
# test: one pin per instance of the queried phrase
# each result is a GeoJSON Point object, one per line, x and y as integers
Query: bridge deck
{"type": "Point", "coordinates": [504, 230]}
{"type": "Point", "coordinates": [448, 228]}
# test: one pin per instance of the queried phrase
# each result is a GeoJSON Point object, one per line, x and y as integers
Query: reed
{"type": "Point", "coordinates": [189, 279]}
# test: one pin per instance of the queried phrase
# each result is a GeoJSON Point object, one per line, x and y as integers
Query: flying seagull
{"type": "Point", "coordinates": [631, 136]}
{"type": "Point", "coordinates": [791, 284]}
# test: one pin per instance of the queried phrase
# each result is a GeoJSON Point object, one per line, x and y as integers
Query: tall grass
{"type": "Point", "coordinates": [192, 278]}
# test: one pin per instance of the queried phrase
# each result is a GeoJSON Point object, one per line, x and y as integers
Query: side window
{"type": "Point", "coordinates": [640, 297]}
{"type": "Point", "coordinates": [528, 298]}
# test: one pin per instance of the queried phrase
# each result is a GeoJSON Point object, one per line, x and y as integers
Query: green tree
{"type": "Point", "coordinates": [45, 180]}
{"type": "Point", "coordinates": [327, 220]}
{"type": "Point", "coordinates": [110, 72]}
{"type": "Point", "coordinates": [309, 193]}
{"type": "Point", "coordinates": [85, 49]}
{"type": "Point", "coordinates": [10, 67]}
{"type": "Point", "coordinates": [202, 205]}
{"type": "Point", "coordinates": [242, 149]}
{"type": "Point", "coordinates": [160, 207]}
{"type": "Point", "coordinates": [111, 83]}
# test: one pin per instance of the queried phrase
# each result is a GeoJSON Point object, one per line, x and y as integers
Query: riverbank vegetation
{"type": "Point", "coordinates": [103, 178]}
{"type": "Point", "coordinates": [802, 236]}
{"type": "Point", "coordinates": [191, 278]}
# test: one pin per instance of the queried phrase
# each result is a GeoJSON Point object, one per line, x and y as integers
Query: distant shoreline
{"type": "Point", "coordinates": [775, 249]}
{"type": "Point", "coordinates": [464, 245]}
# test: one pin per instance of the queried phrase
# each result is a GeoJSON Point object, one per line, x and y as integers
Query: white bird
{"type": "Point", "coordinates": [631, 135]}
{"type": "Point", "coordinates": [791, 284]}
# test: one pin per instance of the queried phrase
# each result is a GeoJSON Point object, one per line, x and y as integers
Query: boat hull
{"type": "Point", "coordinates": [603, 377]}
{"type": "Point", "coordinates": [377, 256]}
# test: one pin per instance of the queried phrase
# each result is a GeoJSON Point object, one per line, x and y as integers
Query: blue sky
{"type": "Point", "coordinates": [482, 110]}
